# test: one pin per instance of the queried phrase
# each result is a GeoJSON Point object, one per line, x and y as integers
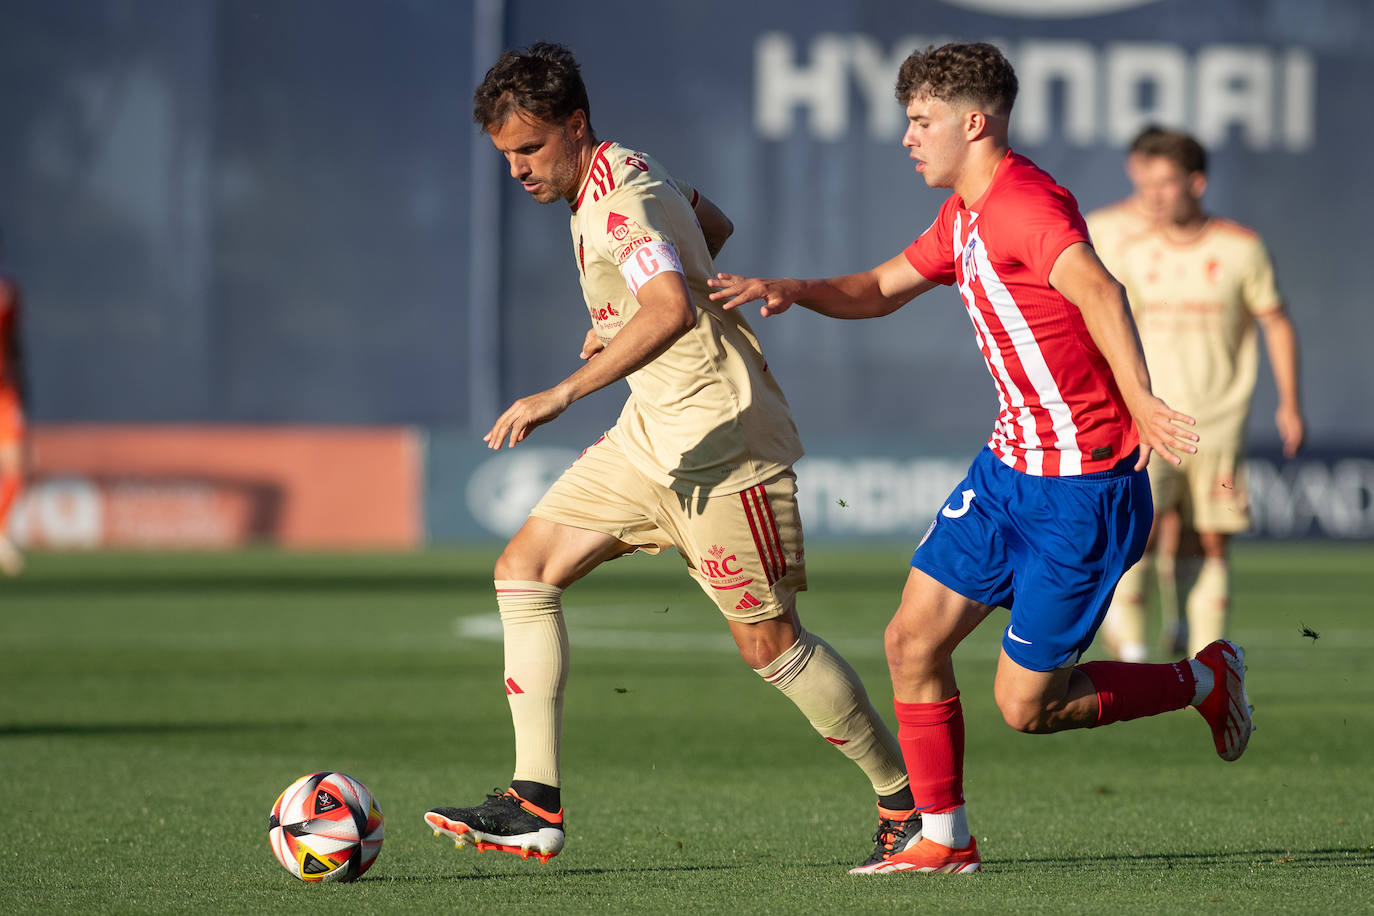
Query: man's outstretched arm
{"type": "Point", "coordinates": [869, 294]}
{"type": "Point", "coordinates": [665, 313]}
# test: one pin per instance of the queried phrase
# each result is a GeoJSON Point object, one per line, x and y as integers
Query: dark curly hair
{"type": "Point", "coordinates": [976, 72]}
{"type": "Point", "coordinates": [1176, 146]}
{"type": "Point", "coordinates": [543, 80]}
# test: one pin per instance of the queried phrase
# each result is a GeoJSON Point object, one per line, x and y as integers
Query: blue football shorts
{"type": "Point", "coordinates": [1049, 548]}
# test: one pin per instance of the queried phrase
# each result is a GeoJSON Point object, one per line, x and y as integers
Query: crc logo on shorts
{"type": "Point", "coordinates": [723, 570]}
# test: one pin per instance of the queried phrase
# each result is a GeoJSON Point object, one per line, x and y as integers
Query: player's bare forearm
{"type": "Point", "coordinates": [1281, 342]}
{"type": "Point", "coordinates": [665, 314]}
{"type": "Point", "coordinates": [869, 294]}
{"type": "Point", "coordinates": [1082, 279]}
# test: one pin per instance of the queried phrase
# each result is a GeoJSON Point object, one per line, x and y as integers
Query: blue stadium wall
{"type": "Point", "coordinates": [231, 211]}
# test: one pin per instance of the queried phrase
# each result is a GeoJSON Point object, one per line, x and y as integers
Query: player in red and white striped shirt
{"type": "Point", "coordinates": [1057, 506]}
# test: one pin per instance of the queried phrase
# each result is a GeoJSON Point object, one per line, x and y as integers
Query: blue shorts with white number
{"type": "Point", "coordinates": [1049, 548]}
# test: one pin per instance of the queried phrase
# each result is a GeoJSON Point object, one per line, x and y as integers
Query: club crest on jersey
{"type": "Point", "coordinates": [970, 260]}
{"type": "Point", "coordinates": [724, 570]}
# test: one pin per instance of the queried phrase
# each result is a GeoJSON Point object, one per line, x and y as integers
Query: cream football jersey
{"type": "Point", "coordinates": [706, 417]}
{"type": "Point", "coordinates": [1112, 228]}
{"type": "Point", "coordinates": [1195, 303]}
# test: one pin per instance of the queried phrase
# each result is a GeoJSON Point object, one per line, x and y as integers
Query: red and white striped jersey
{"type": "Point", "coordinates": [1061, 412]}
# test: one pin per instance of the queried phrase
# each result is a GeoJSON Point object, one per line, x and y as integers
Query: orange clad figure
{"type": "Point", "coordinates": [12, 426]}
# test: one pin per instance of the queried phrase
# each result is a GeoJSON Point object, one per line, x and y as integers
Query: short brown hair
{"type": "Point", "coordinates": [1176, 146]}
{"type": "Point", "coordinates": [1146, 134]}
{"type": "Point", "coordinates": [542, 80]}
{"type": "Point", "coordinates": [976, 72]}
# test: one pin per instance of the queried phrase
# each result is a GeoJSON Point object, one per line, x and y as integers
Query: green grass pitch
{"type": "Point", "coordinates": [153, 706]}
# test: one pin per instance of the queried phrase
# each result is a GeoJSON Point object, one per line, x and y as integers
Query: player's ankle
{"type": "Point", "coordinates": [1204, 681]}
{"type": "Point", "coordinates": [901, 800]}
{"type": "Point", "coordinates": [948, 828]}
{"type": "Point", "coordinates": [537, 793]}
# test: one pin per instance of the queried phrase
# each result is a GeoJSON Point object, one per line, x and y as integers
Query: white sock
{"type": "Point", "coordinates": [948, 829]}
{"type": "Point", "coordinates": [1205, 681]}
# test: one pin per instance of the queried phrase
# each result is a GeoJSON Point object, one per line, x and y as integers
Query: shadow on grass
{"type": "Point", "coordinates": [1194, 860]}
{"type": "Point", "coordinates": [152, 583]}
{"type": "Point", "coordinates": [104, 729]}
{"type": "Point", "coordinates": [1117, 864]}
{"type": "Point", "coordinates": [543, 873]}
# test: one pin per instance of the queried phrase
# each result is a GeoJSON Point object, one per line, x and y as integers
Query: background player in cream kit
{"type": "Point", "coordinates": [700, 459]}
{"type": "Point", "coordinates": [1203, 292]}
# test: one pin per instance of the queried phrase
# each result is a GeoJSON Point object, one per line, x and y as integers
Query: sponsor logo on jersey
{"type": "Point", "coordinates": [619, 227]}
{"type": "Point", "coordinates": [725, 572]}
{"type": "Point", "coordinates": [607, 317]}
{"type": "Point", "coordinates": [581, 256]}
{"type": "Point", "coordinates": [623, 254]}
{"type": "Point", "coordinates": [1214, 271]}
{"type": "Point", "coordinates": [634, 162]}
{"type": "Point", "coordinates": [627, 233]}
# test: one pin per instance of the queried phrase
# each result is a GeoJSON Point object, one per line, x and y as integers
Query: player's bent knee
{"type": "Point", "coordinates": [516, 565]}
{"type": "Point", "coordinates": [907, 651]}
{"type": "Point", "coordinates": [1025, 716]}
{"type": "Point", "coordinates": [760, 644]}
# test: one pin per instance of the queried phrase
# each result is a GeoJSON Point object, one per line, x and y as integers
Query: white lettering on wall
{"type": "Point", "coordinates": [64, 513]}
{"type": "Point", "coordinates": [1260, 96]}
{"type": "Point", "coordinates": [1147, 83]}
{"type": "Point", "coordinates": [1046, 65]}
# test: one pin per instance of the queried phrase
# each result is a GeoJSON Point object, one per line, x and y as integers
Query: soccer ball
{"type": "Point", "coordinates": [326, 827]}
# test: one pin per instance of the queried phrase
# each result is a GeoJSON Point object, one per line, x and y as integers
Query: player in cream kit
{"type": "Point", "coordinates": [700, 459]}
{"type": "Point", "coordinates": [1203, 292]}
{"type": "Point", "coordinates": [1117, 224]}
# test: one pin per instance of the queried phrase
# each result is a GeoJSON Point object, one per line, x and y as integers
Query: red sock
{"type": "Point", "coordinates": [9, 489]}
{"type": "Point", "coordinates": [932, 740]}
{"type": "Point", "coordinates": [1126, 691]}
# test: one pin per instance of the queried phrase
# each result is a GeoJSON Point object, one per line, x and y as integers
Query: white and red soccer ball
{"type": "Point", "coordinates": [326, 827]}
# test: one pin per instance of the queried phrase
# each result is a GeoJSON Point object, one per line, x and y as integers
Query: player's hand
{"type": "Point", "coordinates": [522, 417]}
{"type": "Point", "coordinates": [592, 345]}
{"type": "Point", "coordinates": [1163, 430]}
{"type": "Point", "coordinates": [777, 294]}
{"type": "Point", "coordinates": [1289, 422]}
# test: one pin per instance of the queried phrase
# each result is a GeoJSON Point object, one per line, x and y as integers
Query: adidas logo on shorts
{"type": "Point", "coordinates": [749, 603]}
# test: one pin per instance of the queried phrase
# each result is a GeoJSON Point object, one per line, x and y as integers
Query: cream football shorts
{"type": "Point", "coordinates": [1208, 490]}
{"type": "Point", "coordinates": [744, 549]}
